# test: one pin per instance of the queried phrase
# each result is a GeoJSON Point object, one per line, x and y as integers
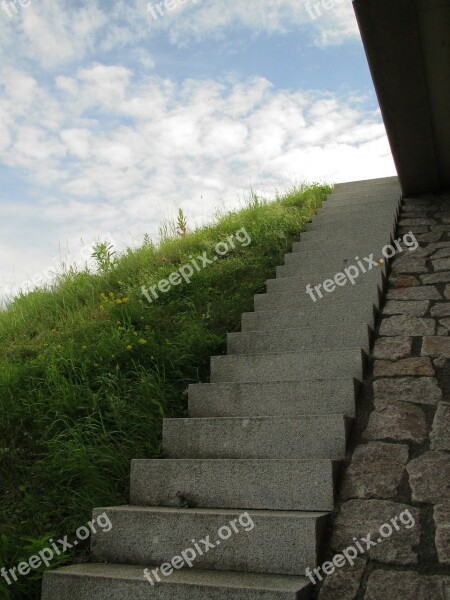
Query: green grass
{"type": "Point", "coordinates": [89, 368]}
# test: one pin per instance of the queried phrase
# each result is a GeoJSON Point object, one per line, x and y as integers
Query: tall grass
{"type": "Point", "coordinates": [89, 368]}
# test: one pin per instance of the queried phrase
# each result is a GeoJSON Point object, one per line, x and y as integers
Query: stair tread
{"type": "Point", "coordinates": [230, 579]}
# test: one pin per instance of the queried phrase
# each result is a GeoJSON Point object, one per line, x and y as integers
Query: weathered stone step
{"type": "Point", "coordinates": [339, 226]}
{"type": "Point", "coordinates": [383, 213]}
{"type": "Point", "coordinates": [324, 243]}
{"type": "Point", "coordinates": [248, 484]}
{"type": "Point", "coordinates": [126, 582]}
{"type": "Point", "coordinates": [283, 543]}
{"type": "Point", "coordinates": [350, 202]}
{"type": "Point", "coordinates": [376, 235]}
{"type": "Point", "coordinates": [288, 366]}
{"type": "Point", "coordinates": [324, 270]}
{"type": "Point", "coordinates": [297, 285]}
{"type": "Point", "coordinates": [308, 436]}
{"type": "Point", "coordinates": [313, 320]}
{"type": "Point", "coordinates": [332, 254]}
{"type": "Point", "coordinates": [343, 296]}
{"type": "Point", "coordinates": [347, 203]}
{"type": "Point", "coordinates": [369, 183]}
{"type": "Point", "coordinates": [295, 340]}
{"type": "Point", "coordinates": [274, 399]}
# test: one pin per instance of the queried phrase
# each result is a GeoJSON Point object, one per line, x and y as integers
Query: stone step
{"type": "Point", "coordinates": [313, 320]}
{"type": "Point", "coordinates": [274, 399]}
{"type": "Point", "coordinates": [295, 340]}
{"type": "Point", "coordinates": [288, 366]}
{"type": "Point", "coordinates": [310, 254]}
{"type": "Point", "coordinates": [339, 225]}
{"type": "Point", "coordinates": [297, 285]}
{"type": "Point", "coordinates": [347, 204]}
{"type": "Point", "coordinates": [370, 183]}
{"type": "Point", "coordinates": [351, 202]}
{"type": "Point", "coordinates": [308, 436]}
{"type": "Point", "coordinates": [362, 193]}
{"type": "Point", "coordinates": [377, 236]}
{"type": "Point", "coordinates": [344, 297]}
{"type": "Point", "coordinates": [282, 543]}
{"type": "Point", "coordinates": [126, 582]}
{"type": "Point", "coordinates": [340, 259]}
{"type": "Point", "coordinates": [326, 242]}
{"type": "Point", "coordinates": [248, 484]}
{"type": "Point", "coordinates": [376, 212]}
{"type": "Point", "coordinates": [318, 272]}
{"type": "Point", "coordinates": [325, 222]}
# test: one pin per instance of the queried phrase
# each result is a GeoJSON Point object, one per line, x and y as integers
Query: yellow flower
{"type": "Point", "coordinates": [130, 347]}
{"type": "Point", "coordinates": [83, 347]}
{"type": "Point", "coordinates": [142, 341]}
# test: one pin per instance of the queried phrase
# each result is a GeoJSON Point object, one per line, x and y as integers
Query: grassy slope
{"type": "Point", "coordinates": [89, 369]}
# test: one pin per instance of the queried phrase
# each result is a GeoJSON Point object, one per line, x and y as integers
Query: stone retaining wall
{"type": "Point", "coordinates": [399, 458]}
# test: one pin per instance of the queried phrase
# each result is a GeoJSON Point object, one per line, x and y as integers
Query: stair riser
{"type": "Point", "coordinates": [322, 272]}
{"type": "Point", "coordinates": [308, 437]}
{"type": "Point", "coordinates": [334, 259]}
{"type": "Point", "coordinates": [278, 545]}
{"type": "Point", "coordinates": [241, 484]}
{"type": "Point", "coordinates": [61, 587]}
{"type": "Point", "coordinates": [280, 399]}
{"type": "Point", "coordinates": [349, 207]}
{"type": "Point", "coordinates": [325, 221]}
{"type": "Point", "coordinates": [297, 285]}
{"type": "Point", "coordinates": [377, 236]}
{"type": "Point", "coordinates": [287, 367]}
{"type": "Point", "coordinates": [344, 297]}
{"type": "Point", "coordinates": [296, 340]}
{"type": "Point", "coordinates": [312, 321]}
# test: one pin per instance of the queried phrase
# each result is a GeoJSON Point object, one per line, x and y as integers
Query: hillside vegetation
{"type": "Point", "coordinates": [89, 367]}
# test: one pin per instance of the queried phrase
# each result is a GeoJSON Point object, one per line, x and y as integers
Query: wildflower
{"type": "Point", "coordinates": [130, 347]}
{"type": "Point", "coordinates": [142, 342]}
{"type": "Point", "coordinates": [83, 347]}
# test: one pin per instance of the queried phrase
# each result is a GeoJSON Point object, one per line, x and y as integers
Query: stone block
{"type": "Point", "coordinates": [403, 585]}
{"type": "Point", "coordinates": [424, 292]}
{"type": "Point", "coordinates": [429, 477]}
{"type": "Point", "coordinates": [423, 390]}
{"type": "Point", "coordinates": [375, 471]}
{"type": "Point", "coordinates": [399, 421]}
{"type": "Point", "coordinates": [408, 308]}
{"type": "Point", "coordinates": [440, 433]}
{"type": "Point", "coordinates": [436, 346]}
{"type": "Point", "coordinates": [362, 518]}
{"type": "Point", "coordinates": [401, 368]}
{"type": "Point", "coordinates": [442, 537]}
{"type": "Point", "coordinates": [402, 325]}
{"type": "Point", "coordinates": [392, 348]}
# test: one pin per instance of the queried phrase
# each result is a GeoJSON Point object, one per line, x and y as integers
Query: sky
{"type": "Point", "coordinates": [113, 115]}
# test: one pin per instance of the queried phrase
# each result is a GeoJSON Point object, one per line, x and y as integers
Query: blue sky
{"type": "Point", "coordinates": [111, 120]}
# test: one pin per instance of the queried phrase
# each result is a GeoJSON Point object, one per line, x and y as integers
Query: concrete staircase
{"type": "Point", "coordinates": [265, 436]}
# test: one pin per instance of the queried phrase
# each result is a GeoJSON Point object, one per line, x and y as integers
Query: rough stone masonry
{"type": "Point", "coordinates": [400, 453]}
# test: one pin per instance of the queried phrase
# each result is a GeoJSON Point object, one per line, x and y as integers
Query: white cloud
{"type": "Point", "coordinates": [107, 149]}
{"type": "Point", "coordinates": [200, 138]}
{"type": "Point", "coordinates": [53, 34]}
